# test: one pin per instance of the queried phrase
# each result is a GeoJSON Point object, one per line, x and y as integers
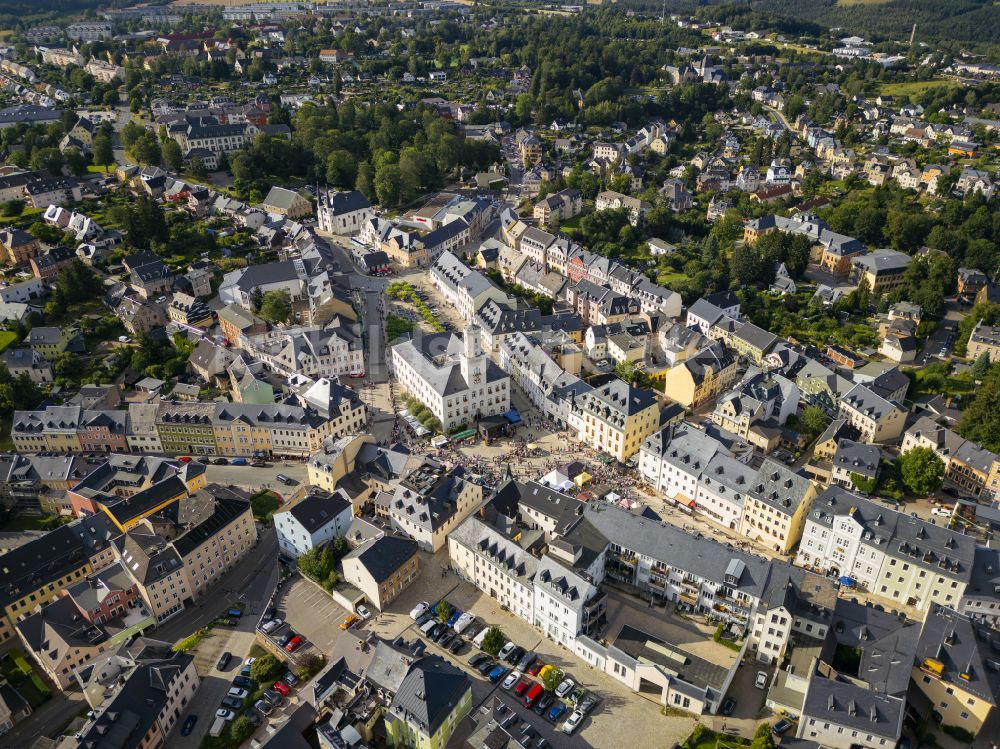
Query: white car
{"type": "Point", "coordinates": [464, 621]}
{"type": "Point", "coordinates": [363, 612]}
{"type": "Point", "coordinates": [225, 714]}
{"type": "Point", "coordinates": [270, 626]}
{"type": "Point", "coordinates": [251, 661]}
{"type": "Point", "coordinates": [941, 511]}
{"type": "Point", "coordinates": [506, 650]}
{"type": "Point", "coordinates": [572, 722]}
{"type": "Point", "coordinates": [565, 687]}
{"type": "Point", "coordinates": [511, 679]}
{"type": "Point", "coordinates": [419, 610]}
{"type": "Point", "coordinates": [240, 694]}
{"type": "Point", "coordinates": [761, 681]}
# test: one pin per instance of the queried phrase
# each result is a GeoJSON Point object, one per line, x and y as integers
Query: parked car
{"type": "Point", "coordinates": [457, 646]}
{"type": "Point", "coordinates": [286, 638]}
{"type": "Point", "coordinates": [447, 637]}
{"type": "Point", "coordinates": [455, 616]}
{"type": "Point", "coordinates": [245, 671]}
{"type": "Point", "coordinates": [463, 622]}
{"type": "Point", "coordinates": [238, 692]}
{"type": "Point", "coordinates": [263, 707]}
{"type": "Point", "coordinates": [290, 679]}
{"type": "Point", "coordinates": [220, 462]}
{"type": "Point", "coordinates": [523, 686]}
{"type": "Point", "coordinates": [728, 706]}
{"type": "Point", "coordinates": [572, 722]}
{"type": "Point", "coordinates": [274, 698]}
{"type": "Point", "coordinates": [232, 703]}
{"type": "Point", "coordinates": [419, 610]}
{"type": "Point", "coordinates": [283, 479]}
{"type": "Point", "coordinates": [511, 680]}
{"type": "Point", "coordinates": [363, 612]}
{"type": "Point", "coordinates": [556, 712]}
{"type": "Point", "coordinates": [245, 682]}
{"type": "Point", "coordinates": [506, 650]}
{"type": "Point", "coordinates": [514, 655]}
{"type": "Point", "coordinates": [189, 724]}
{"type": "Point", "coordinates": [761, 681]}
{"type": "Point", "coordinates": [348, 621]}
{"type": "Point", "coordinates": [282, 688]}
{"type": "Point", "coordinates": [544, 703]}
{"type": "Point", "coordinates": [294, 644]}
{"type": "Point", "coordinates": [486, 666]}
{"type": "Point", "coordinates": [476, 658]}
{"type": "Point", "coordinates": [565, 687]}
{"type": "Point", "coordinates": [587, 704]}
{"type": "Point", "coordinates": [224, 661]}
{"type": "Point", "coordinates": [532, 696]}
{"type": "Point", "coordinates": [270, 626]}
{"type": "Point", "coordinates": [253, 716]}
{"type": "Point", "coordinates": [525, 661]}
{"type": "Point", "coordinates": [781, 726]}
{"type": "Point", "coordinates": [497, 673]}
{"type": "Point", "coordinates": [941, 512]}
{"type": "Point", "coordinates": [225, 714]}
{"type": "Point", "coordinates": [536, 667]}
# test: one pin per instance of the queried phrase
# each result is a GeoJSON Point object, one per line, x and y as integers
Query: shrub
{"type": "Point", "coordinates": [265, 668]}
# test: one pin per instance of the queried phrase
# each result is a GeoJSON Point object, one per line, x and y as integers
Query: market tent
{"type": "Point", "coordinates": [513, 416]}
{"type": "Point", "coordinates": [583, 478]}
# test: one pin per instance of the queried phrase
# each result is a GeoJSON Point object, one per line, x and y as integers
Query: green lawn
{"type": "Point", "coordinates": [20, 523]}
{"type": "Point", "coordinates": [263, 505]}
{"type": "Point", "coordinates": [665, 279]}
{"type": "Point", "coordinates": [912, 88]}
{"type": "Point", "coordinates": [6, 338]}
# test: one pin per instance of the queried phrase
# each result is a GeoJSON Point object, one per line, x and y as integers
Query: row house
{"type": "Point", "coordinates": [892, 555]}
{"type": "Point", "coordinates": [972, 468]}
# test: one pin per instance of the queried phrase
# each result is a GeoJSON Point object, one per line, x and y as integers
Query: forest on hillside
{"type": "Point", "coordinates": [969, 21]}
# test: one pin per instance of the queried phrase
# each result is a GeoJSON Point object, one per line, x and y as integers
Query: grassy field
{"type": "Point", "coordinates": [20, 523]}
{"type": "Point", "coordinates": [912, 88]}
{"type": "Point", "coordinates": [6, 338]}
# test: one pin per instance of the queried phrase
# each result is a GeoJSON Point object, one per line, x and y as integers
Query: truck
{"type": "Point", "coordinates": [217, 727]}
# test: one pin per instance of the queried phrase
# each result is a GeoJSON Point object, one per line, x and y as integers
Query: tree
{"type": "Point", "coordinates": [762, 738]}
{"type": "Point", "coordinates": [443, 610]}
{"type": "Point", "coordinates": [494, 640]}
{"type": "Point", "coordinates": [552, 678]}
{"type": "Point", "coordinates": [981, 366]}
{"type": "Point", "coordinates": [241, 729]}
{"type": "Point", "coordinates": [173, 158]}
{"type": "Point", "coordinates": [814, 420]}
{"type": "Point", "coordinates": [921, 470]}
{"type": "Point", "coordinates": [265, 668]}
{"type": "Point", "coordinates": [275, 306]}
{"type": "Point", "coordinates": [980, 420]}
{"type": "Point", "coordinates": [13, 208]}
{"type": "Point", "coordinates": [76, 162]}
{"type": "Point", "coordinates": [103, 152]}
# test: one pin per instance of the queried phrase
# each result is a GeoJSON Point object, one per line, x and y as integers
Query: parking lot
{"type": "Point", "coordinates": [621, 718]}
{"type": "Point", "coordinates": [311, 613]}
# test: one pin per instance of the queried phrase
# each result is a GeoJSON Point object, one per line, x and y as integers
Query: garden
{"type": "Point", "coordinates": [20, 675]}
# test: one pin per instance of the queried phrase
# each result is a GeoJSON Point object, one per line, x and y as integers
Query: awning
{"type": "Point", "coordinates": [513, 416]}
{"type": "Point", "coordinates": [463, 435]}
{"type": "Point", "coordinates": [612, 496]}
{"type": "Point", "coordinates": [846, 581]}
{"type": "Point", "coordinates": [439, 441]}
{"type": "Point", "coordinates": [582, 478]}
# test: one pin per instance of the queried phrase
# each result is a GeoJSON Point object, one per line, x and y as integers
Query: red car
{"type": "Point", "coordinates": [282, 687]}
{"type": "Point", "coordinates": [184, 459]}
{"type": "Point", "coordinates": [537, 666]}
{"type": "Point", "coordinates": [522, 687]}
{"type": "Point", "coordinates": [294, 644]}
